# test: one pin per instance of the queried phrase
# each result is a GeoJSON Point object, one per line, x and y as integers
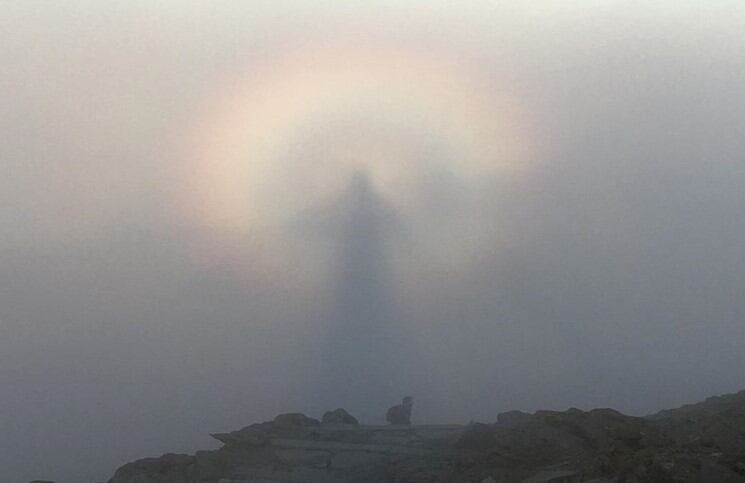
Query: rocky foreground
{"type": "Point", "coordinates": [702, 442]}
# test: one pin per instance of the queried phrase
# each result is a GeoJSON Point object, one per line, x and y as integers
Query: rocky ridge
{"type": "Point", "coordinates": [703, 442]}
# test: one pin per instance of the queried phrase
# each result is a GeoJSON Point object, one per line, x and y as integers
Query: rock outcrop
{"type": "Point", "coordinates": [297, 448]}
{"type": "Point", "coordinates": [703, 442]}
{"type": "Point", "coordinates": [698, 443]}
{"type": "Point", "coordinates": [338, 416]}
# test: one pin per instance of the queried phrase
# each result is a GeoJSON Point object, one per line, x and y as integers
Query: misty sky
{"type": "Point", "coordinates": [213, 212]}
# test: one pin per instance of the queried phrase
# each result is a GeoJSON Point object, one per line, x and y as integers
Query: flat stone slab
{"type": "Point", "coordinates": [299, 475]}
{"type": "Point", "coordinates": [558, 476]}
{"type": "Point", "coordinates": [303, 457]}
{"type": "Point", "coordinates": [389, 427]}
{"type": "Point", "coordinates": [336, 447]}
{"type": "Point", "coordinates": [391, 439]}
{"type": "Point", "coordinates": [353, 459]}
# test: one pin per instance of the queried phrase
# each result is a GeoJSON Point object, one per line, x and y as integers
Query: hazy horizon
{"type": "Point", "coordinates": [216, 212]}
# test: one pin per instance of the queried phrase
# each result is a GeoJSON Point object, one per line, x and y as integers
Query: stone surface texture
{"type": "Point", "coordinates": [703, 442]}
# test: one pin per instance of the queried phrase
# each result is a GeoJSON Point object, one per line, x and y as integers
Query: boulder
{"type": "Point", "coordinates": [338, 416]}
{"type": "Point", "coordinates": [169, 468]}
{"type": "Point", "coordinates": [295, 420]}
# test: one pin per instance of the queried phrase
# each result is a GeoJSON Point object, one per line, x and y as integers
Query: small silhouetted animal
{"type": "Point", "coordinates": [400, 413]}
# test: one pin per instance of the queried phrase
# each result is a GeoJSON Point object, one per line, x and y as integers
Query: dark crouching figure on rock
{"type": "Point", "coordinates": [400, 413]}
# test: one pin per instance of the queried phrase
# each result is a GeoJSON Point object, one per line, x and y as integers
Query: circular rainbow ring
{"type": "Point", "coordinates": [366, 107]}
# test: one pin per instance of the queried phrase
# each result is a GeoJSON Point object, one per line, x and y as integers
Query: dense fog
{"type": "Point", "coordinates": [214, 212]}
